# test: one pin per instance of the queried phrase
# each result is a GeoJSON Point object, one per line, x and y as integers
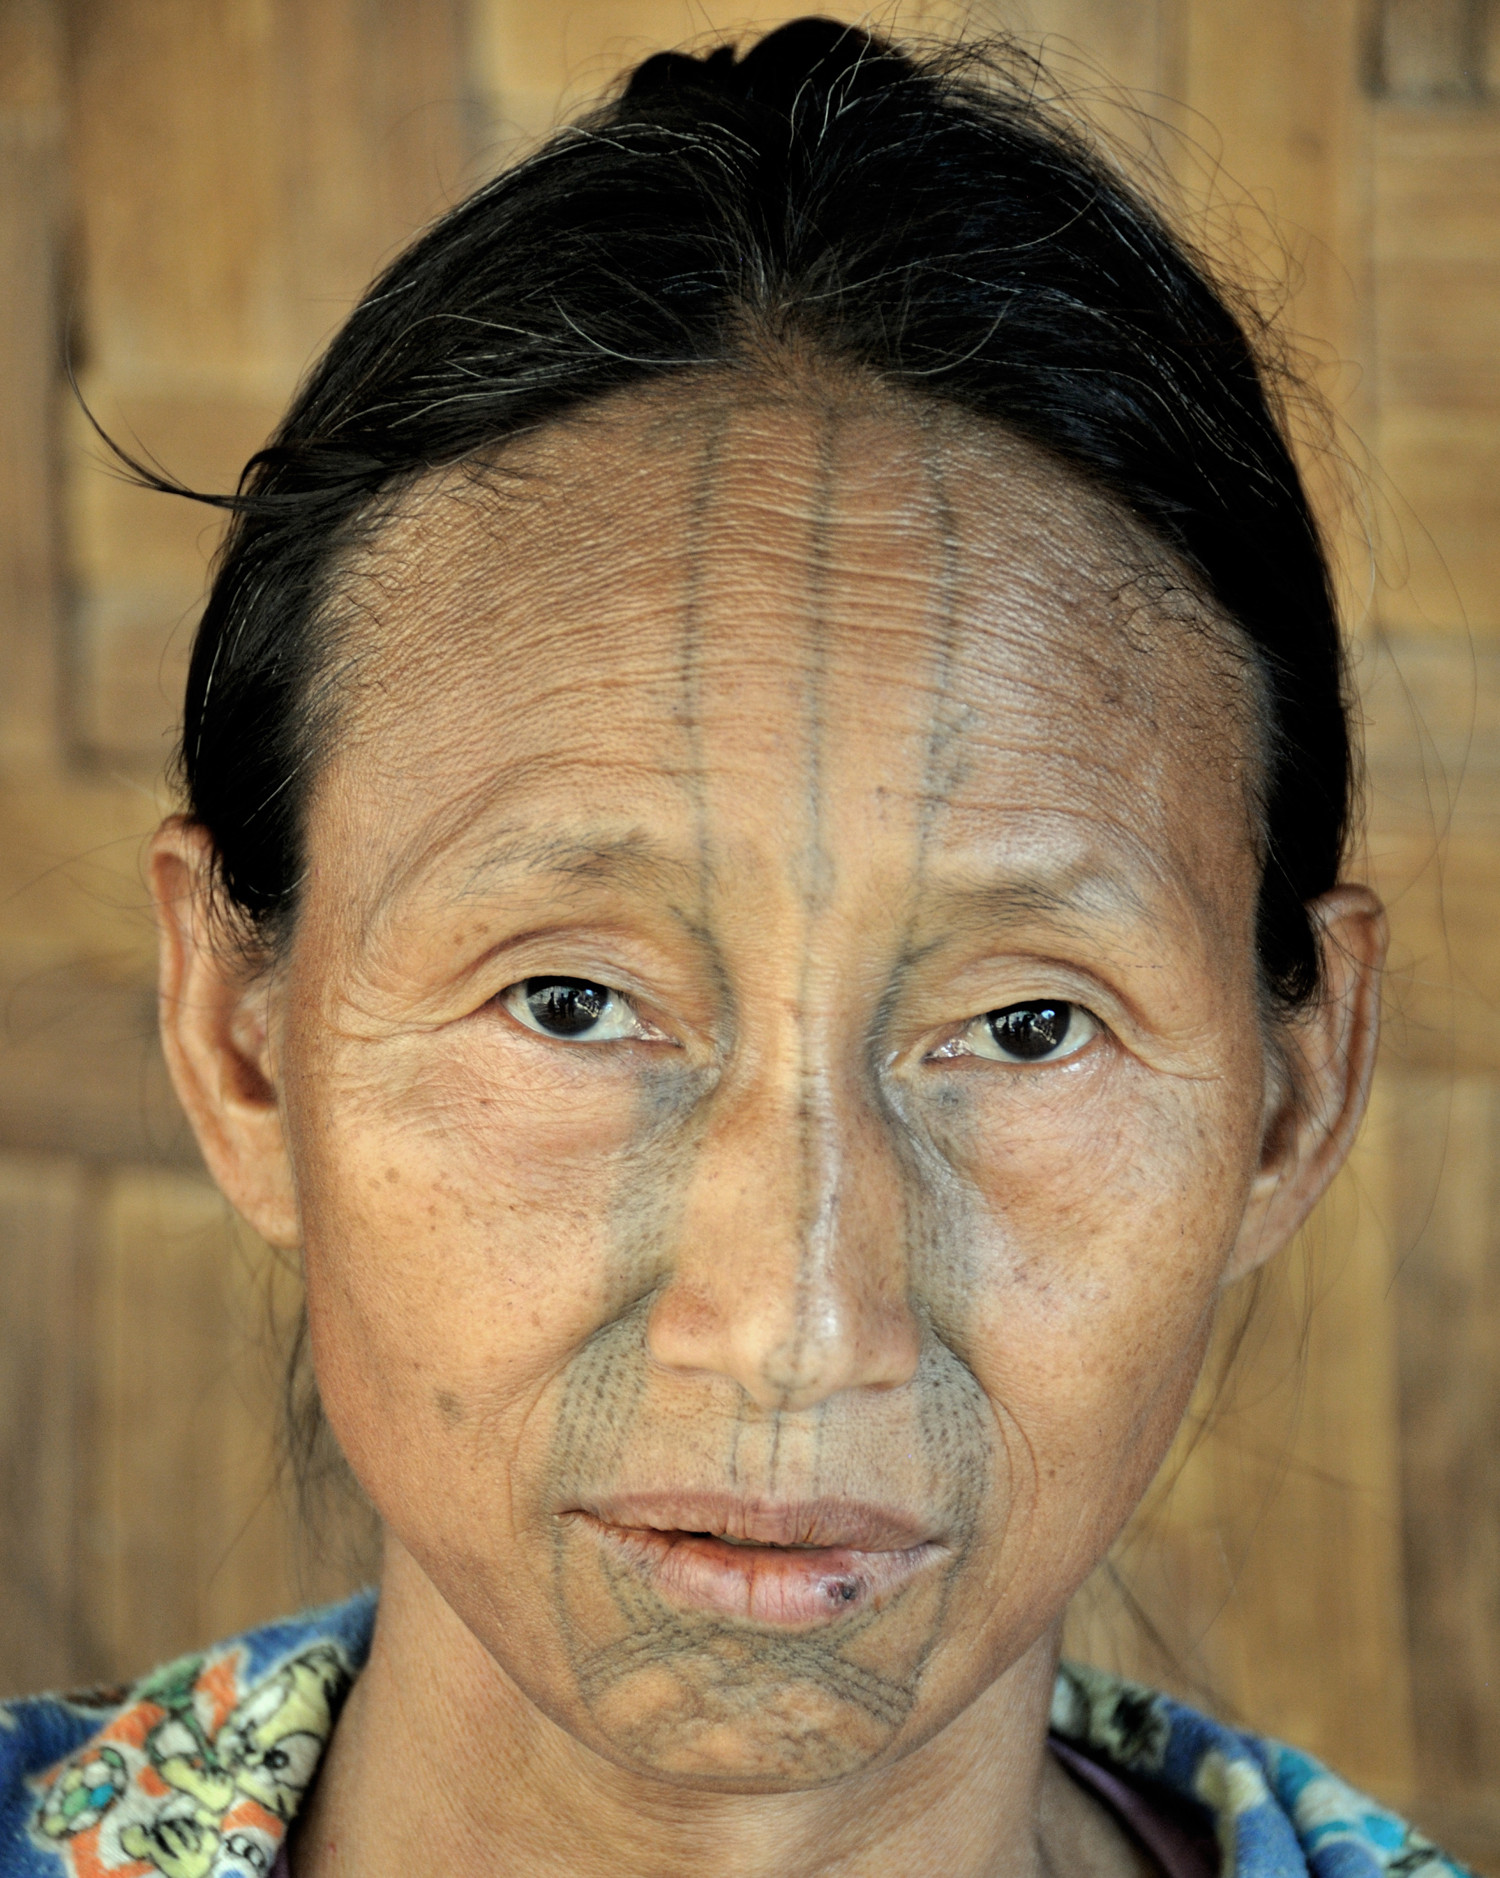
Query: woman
{"type": "Point", "coordinates": [760, 898]}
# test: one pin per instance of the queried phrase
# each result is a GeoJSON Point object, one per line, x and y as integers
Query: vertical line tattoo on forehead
{"type": "Point", "coordinates": [946, 719]}
{"type": "Point", "coordinates": [705, 490]}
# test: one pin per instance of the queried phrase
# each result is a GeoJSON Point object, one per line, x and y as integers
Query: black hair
{"type": "Point", "coordinates": [923, 220]}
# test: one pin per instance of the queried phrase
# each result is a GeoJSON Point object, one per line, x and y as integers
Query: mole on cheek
{"type": "Point", "coordinates": [449, 1406]}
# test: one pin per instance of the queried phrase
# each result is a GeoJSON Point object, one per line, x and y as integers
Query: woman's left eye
{"type": "Point", "coordinates": [574, 1010]}
{"type": "Point", "coordinates": [1042, 1030]}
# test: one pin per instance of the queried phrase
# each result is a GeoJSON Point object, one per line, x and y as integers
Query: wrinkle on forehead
{"type": "Point", "coordinates": [665, 475]}
{"type": "Point", "coordinates": [957, 561]}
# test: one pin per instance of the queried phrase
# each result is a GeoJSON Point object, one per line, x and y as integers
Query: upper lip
{"type": "Point", "coordinates": [822, 1523]}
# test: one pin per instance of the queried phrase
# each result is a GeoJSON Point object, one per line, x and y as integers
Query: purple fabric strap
{"type": "Point", "coordinates": [1179, 1849]}
{"type": "Point", "coordinates": [1180, 1852]}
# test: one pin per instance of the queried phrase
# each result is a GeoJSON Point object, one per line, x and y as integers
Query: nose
{"type": "Point", "coordinates": [792, 1275]}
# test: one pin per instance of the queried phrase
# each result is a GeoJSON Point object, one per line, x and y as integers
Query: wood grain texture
{"type": "Point", "coordinates": [32, 186]}
{"type": "Point", "coordinates": [290, 147]}
{"type": "Point", "coordinates": [1449, 1292]}
{"type": "Point", "coordinates": [44, 1350]}
{"type": "Point", "coordinates": [186, 1526]}
{"type": "Point", "coordinates": [1429, 49]}
{"type": "Point", "coordinates": [1435, 244]}
{"type": "Point", "coordinates": [81, 1071]}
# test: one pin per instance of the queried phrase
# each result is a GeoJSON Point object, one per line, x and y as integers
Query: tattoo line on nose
{"type": "Point", "coordinates": [817, 1153]}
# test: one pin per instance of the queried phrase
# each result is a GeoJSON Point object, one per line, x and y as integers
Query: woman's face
{"type": "Point", "coordinates": [770, 1063]}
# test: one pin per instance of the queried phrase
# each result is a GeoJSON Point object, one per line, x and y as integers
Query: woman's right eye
{"type": "Point", "coordinates": [574, 1010]}
{"type": "Point", "coordinates": [1037, 1031]}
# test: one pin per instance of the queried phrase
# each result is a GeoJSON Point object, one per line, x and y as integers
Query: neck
{"type": "Point", "coordinates": [441, 1763]}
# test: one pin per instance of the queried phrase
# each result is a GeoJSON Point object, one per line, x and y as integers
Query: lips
{"type": "Point", "coordinates": [792, 1564]}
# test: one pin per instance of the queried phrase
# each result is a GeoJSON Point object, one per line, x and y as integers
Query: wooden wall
{"type": "Point", "coordinates": [193, 191]}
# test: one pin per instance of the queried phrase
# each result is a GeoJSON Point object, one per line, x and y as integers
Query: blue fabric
{"type": "Point", "coordinates": [1277, 1813]}
{"type": "Point", "coordinates": [197, 1770]}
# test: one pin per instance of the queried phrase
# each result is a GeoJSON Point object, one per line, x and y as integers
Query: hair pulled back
{"type": "Point", "coordinates": [924, 221]}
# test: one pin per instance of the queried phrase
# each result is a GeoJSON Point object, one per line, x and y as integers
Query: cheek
{"type": "Point", "coordinates": [1100, 1215]}
{"type": "Point", "coordinates": [465, 1235]}
{"type": "Point", "coordinates": [457, 1247]}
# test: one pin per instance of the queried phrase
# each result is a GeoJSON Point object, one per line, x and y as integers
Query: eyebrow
{"type": "Point", "coordinates": [634, 861]}
{"type": "Point", "coordinates": [1063, 898]}
{"type": "Point", "coordinates": [1069, 897]}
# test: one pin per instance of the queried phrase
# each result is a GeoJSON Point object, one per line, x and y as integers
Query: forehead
{"type": "Point", "coordinates": [763, 582]}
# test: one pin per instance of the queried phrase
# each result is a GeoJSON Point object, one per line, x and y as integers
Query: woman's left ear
{"type": "Point", "coordinates": [1316, 1102]}
{"type": "Point", "coordinates": [214, 1012]}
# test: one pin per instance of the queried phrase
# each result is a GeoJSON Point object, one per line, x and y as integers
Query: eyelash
{"type": "Point", "coordinates": [1007, 1034]}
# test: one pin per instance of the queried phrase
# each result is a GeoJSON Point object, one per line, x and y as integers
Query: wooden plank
{"type": "Point", "coordinates": [140, 560]}
{"type": "Point", "coordinates": [178, 272]}
{"type": "Point", "coordinates": [1444, 569]}
{"type": "Point", "coordinates": [31, 192]}
{"type": "Point", "coordinates": [81, 1071]}
{"type": "Point", "coordinates": [1435, 185]}
{"type": "Point", "coordinates": [1449, 1292]}
{"type": "Point", "coordinates": [241, 168]}
{"type": "Point", "coordinates": [1277, 151]}
{"type": "Point", "coordinates": [1266, 1565]}
{"type": "Point", "coordinates": [375, 135]}
{"type": "Point", "coordinates": [1440, 331]}
{"type": "Point", "coordinates": [1436, 240]}
{"type": "Point", "coordinates": [187, 1533]}
{"type": "Point", "coordinates": [1432, 717]}
{"type": "Point", "coordinates": [41, 1354]}
{"type": "Point", "coordinates": [1431, 48]}
{"type": "Point", "coordinates": [1277, 87]}
{"type": "Point", "coordinates": [1431, 709]}
{"type": "Point", "coordinates": [1129, 43]}
{"type": "Point", "coordinates": [71, 888]}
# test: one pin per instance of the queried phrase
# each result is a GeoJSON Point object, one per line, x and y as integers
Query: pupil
{"type": "Point", "coordinates": [1030, 1030]}
{"type": "Point", "coordinates": [565, 1005]}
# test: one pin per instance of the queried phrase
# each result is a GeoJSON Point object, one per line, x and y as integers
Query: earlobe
{"type": "Point", "coordinates": [215, 1032]}
{"type": "Point", "coordinates": [1319, 1097]}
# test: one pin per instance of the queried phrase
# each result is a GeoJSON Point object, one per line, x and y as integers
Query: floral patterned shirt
{"type": "Point", "coordinates": [198, 1770]}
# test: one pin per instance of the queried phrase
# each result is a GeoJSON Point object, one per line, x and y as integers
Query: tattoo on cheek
{"type": "Point", "coordinates": [698, 1694]}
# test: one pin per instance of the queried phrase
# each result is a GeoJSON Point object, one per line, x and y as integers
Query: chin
{"type": "Point", "coordinates": [728, 1722]}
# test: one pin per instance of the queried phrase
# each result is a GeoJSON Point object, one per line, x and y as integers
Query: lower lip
{"type": "Point", "coordinates": [791, 1586]}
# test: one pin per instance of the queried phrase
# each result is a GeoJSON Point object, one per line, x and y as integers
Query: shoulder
{"type": "Point", "coordinates": [195, 1769]}
{"type": "Point", "coordinates": [35, 1735]}
{"type": "Point", "coordinates": [1275, 1811]}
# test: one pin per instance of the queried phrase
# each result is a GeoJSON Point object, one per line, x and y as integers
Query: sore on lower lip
{"type": "Point", "coordinates": [791, 1586]}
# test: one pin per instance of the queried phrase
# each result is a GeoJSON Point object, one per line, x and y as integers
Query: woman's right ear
{"type": "Point", "coordinates": [215, 1015]}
